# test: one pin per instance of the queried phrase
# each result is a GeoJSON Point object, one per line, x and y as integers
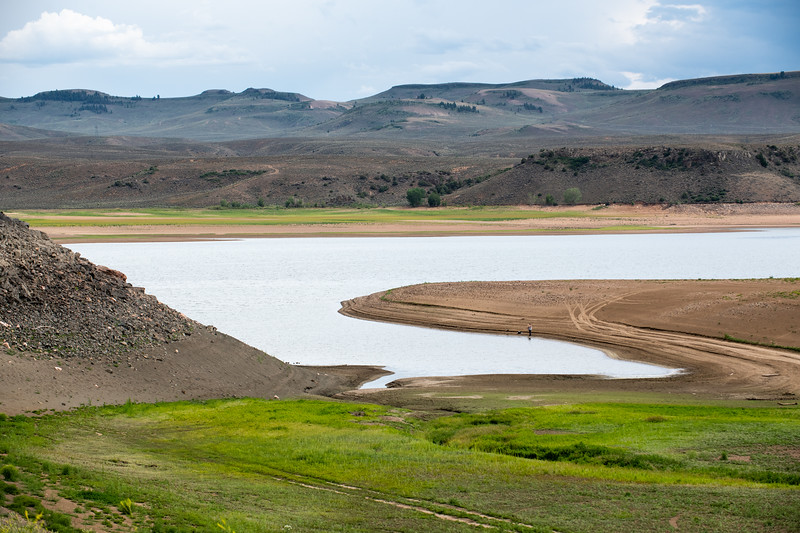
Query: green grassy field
{"type": "Point", "coordinates": [312, 465]}
{"type": "Point", "coordinates": [282, 216]}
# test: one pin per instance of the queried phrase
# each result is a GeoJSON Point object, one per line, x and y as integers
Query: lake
{"type": "Point", "coordinates": [283, 295]}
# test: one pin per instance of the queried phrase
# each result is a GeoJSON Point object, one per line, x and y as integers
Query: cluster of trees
{"type": "Point", "coordinates": [89, 97]}
{"type": "Point", "coordinates": [550, 159]}
{"type": "Point", "coordinates": [416, 195]}
{"type": "Point", "coordinates": [531, 107]}
{"type": "Point", "coordinates": [94, 108]}
{"type": "Point", "coordinates": [269, 94]}
{"type": "Point", "coordinates": [452, 106]}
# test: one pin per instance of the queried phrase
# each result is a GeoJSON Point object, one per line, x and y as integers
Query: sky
{"type": "Point", "coordinates": [347, 49]}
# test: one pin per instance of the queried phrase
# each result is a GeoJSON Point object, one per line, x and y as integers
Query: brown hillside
{"type": "Point", "coordinates": [139, 172]}
{"type": "Point", "coordinates": [651, 174]}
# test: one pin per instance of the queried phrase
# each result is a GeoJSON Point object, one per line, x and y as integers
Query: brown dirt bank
{"type": "Point", "coordinates": [204, 365]}
{"type": "Point", "coordinates": [677, 324]}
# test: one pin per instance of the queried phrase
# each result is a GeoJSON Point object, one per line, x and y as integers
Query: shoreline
{"type": "Point", "coordinates": [639, 331]}
{"type": "Point", "coordinates": [344, 232]}
{"type": "Point", "coordinates": [677, 324]}
{"type": "Point", "coordinates": [561, 220]}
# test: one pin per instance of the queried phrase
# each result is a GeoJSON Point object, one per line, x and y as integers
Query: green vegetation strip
{"type": "Point", "coordinates": [256, 465]}
{"type": "Point", "coordinates": [281, 216]}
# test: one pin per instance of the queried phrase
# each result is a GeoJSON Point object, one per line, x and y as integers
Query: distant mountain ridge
{"type": "Point", "coordinates": [711, 140]}
{"type": "Point", "coordinates": [446, 112]}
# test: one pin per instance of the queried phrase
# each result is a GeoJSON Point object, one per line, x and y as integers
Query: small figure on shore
{"type": "Point", "coordinates": [530, 330]}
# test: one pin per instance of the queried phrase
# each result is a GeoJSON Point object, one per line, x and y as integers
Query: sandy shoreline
{"type": "Point", "coordinates": [546, 220]}
{"type": "Point", "coordinates": [676, 324]}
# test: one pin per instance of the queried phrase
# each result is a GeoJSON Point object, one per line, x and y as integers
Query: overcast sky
{"type": "Point", "coordinates": [347, 49]}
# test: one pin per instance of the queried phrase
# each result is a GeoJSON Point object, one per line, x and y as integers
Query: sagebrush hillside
{"type": "Point", "coordinates": [723, 139]}
{"type": "Point", "coordinates": [649, 174]}
{"type": "Point", "coordinates": [755, 103]}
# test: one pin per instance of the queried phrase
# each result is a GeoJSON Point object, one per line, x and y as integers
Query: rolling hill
{"type": "Point", "coordinates": [723, 139]}
{"type": "Point", "coordinates": [744, 104]}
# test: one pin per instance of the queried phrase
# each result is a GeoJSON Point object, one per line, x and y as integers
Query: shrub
{"type": "Point", "coordinates": [8, 488]}
{"type": "Point", "coordinates": [415, 196]}
{"type": "Point", "coordinates": [572, 196]}
{"type": "Point", "coordinates": [20, 524]}
{"type": "Point", "coordinates": [294, 202]}
{"type": "Point", "coordinates": [434, 199]}
{"type": "Point", "coordinates": [126, 507]}
{"type": "Point", "coordinates": [23, 503]}
{"type": "Point", "coordinates": [10, 473]}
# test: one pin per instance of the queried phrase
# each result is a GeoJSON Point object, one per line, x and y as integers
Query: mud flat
{"type": "Point", "coordinates": [733, 339]}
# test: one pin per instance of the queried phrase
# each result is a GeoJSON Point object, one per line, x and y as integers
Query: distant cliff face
{"type": "Point", "coordinates": [55, 303]}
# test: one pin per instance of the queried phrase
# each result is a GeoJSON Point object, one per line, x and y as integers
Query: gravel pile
{"type": "Point", "coordinates": [53, 302]}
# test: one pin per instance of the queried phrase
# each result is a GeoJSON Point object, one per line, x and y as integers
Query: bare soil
{"type": "Point", "coordinates": [202, 366]}
{"type": "Point", "coordinates": [676, 324]}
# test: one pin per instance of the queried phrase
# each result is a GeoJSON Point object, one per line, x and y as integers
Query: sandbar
{"type": "Point", "coordinates": [733, 339]}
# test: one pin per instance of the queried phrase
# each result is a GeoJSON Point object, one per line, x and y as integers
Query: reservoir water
{"type": "Point", "coordinates": [283, 295]}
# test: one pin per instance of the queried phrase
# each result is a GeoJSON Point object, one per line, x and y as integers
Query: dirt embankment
{"type": "Point", "coordinates": [73, 333]}
{"type": "Point", "coordinates": [677, 324]}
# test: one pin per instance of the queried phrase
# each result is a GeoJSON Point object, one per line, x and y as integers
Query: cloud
{"type": "Point", "coordinates": [366, 90]}
{"type": "Point", "coordinates": [676, 15]}
{"type": "Point", "coordinates": [69, 37]}
{"type": "Point", "coordinates": [439, 42]}
{"type": "Point", "coordinates": [72, 37]}
{"type": "Point", "coordinates": [637, 81]}
{"type": "Point", "coordinates": [447, 69]}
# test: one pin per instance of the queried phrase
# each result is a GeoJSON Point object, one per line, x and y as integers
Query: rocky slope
{"type": "Point", "coordinates": [54, 302]}
{"type": "Point", "coordinates": [74, 333]}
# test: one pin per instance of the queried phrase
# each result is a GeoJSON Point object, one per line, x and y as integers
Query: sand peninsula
{"type": "Point", "coordinates": [733, 339]}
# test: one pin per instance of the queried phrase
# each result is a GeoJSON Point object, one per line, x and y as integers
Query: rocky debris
{"type": "Point", "coordinates": [53, 302]}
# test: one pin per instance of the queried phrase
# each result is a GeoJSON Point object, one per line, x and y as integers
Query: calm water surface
{"type": "Point", "coordinates": [282, 295]}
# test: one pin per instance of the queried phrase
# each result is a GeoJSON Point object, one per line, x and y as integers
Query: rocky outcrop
{"type": "Point", "coordinates": [73, 333]}
{"type": "Point", "coordinates": [54, 302]}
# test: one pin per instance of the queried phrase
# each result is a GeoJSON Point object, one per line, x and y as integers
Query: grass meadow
{"type": "Point", "coordinates": [250, 465]}
{"type": "Point", "coordinates": [274, 216]}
